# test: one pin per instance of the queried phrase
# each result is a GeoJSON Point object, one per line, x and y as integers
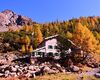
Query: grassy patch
{"type": "Point", "coordinates": [61, 76]}
{"type": "Point", "coordinates": [85, 77]}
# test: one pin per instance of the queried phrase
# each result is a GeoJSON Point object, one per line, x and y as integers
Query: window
{"type": "Point", "coordinates": [33, 54]}
{"type": "Point", "coordinates": [50, 47]}
{"type": "Point", "coordinates": [39, 53]}
{"type": "Point", "coordinates": [50, 54]}
{"type": "Point", "coordinates": [56, 54]}
{"type": "Point", "coordinates": [43, 54]}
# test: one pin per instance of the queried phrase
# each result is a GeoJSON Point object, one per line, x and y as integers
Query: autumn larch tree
{"type": "Point", "coordinates": [83, 37]}
{"type": "Point", "coordinates": [38, 37]}
{"type": "Point", "coordinates": [27, 40]}
{"type": "Point", "coordinates": [23, 49]}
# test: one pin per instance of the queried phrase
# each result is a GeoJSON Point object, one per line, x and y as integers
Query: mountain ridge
{"type": "Point", "coordinates": [9, 19]}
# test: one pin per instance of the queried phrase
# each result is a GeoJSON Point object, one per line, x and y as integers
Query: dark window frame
{"type": "Point", "coordinates": [33, 54]}
{"type": "Point", "coordinates": [50, 54]}
{"type": "Point", "coordinates": [50, 47]}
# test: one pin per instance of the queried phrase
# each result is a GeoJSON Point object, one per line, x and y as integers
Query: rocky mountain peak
{"type": "Point", "coordinates": [10, 19]}
{"type": "Point", "coordinates": [6, 12]}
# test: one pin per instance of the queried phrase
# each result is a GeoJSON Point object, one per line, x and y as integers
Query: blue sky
{"type": "Point", "coordinates": [52, 10]}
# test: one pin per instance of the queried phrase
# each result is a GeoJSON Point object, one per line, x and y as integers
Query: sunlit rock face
{"type": "Point", "coordinates": [10, 19]}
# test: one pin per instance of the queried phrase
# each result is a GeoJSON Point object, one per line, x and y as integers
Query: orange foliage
{"type": "Point", "coordinates": [38, 34]}
{"type": "Point", "coordinates": [84, 37]}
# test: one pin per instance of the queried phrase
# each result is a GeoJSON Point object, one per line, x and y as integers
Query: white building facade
{"type": "Point", "coordinates": [48, 48]}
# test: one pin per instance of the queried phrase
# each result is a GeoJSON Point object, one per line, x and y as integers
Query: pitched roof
{"type": "Point", "coordinates": [51, 37]}
{"type": "Point", "coordinates": [46, 39]}
{"type": "Point", "coordinates": [39, 49]}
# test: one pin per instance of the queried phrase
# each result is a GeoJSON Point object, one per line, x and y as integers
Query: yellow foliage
{"type": "Point", "coordinates": [31, 49]}
{"type": "Point", "coordinates": [17, 30]}
{"type": "Point", "coordinates": [30, 28]}
{"type": "Point", "coordinates": [27, 40]}
{"type": "Point", "coordinates": [23, 48]}
{"type": "Point", "coordinates": [27, 28]}
{"type": "Point", "coordinates": [84, 37]}
{"type": "Point", "coordinates": [38, 34]}
{"type": "Point", "coordinates": [69, 35]}
{"type": "Point", "coordinates": [27, 48]}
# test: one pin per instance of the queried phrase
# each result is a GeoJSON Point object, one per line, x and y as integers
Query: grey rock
{"type": "Point", "coordinates": [1, 75]}
{"type": "Point", "coordinates": [97, 75]}
{"type": "Point", "coordinates": [74, 68]}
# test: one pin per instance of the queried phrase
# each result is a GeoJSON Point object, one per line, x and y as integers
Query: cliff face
{"type": "Point", "coordinates": [9, 19]}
